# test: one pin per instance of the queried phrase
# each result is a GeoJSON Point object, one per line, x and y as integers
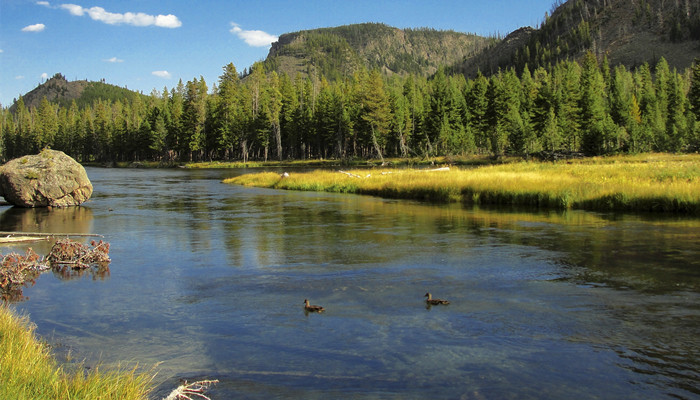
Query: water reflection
{"type": "Point", "coordinates": [209, 279]}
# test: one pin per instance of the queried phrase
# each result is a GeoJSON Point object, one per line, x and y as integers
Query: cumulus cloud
{"type": "Point", "coordinates": [253, 38]}
{"type": "Point", "coordinates": [43, 3]}
{"type": "Point", "coordinates": [44, 76]}
{"type": "Point", "coordinates": [128, 18]}
{"type": "Point", "coordinates": [162, 74]}
{"type": "Point", "coordinates": [34, 28]}
{"type": "Point", "coordinates": [113, 60]}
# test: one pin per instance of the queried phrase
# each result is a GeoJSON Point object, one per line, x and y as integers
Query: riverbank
{"type": "Point", "coordinates": [472, 160]}
{"type": "Point", "coordinates": [29, 370]}
{"type": "Point", "coordinates": [648, 183]}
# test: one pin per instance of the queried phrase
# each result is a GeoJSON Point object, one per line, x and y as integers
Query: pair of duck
{"type": "Point", "coordinates": [429, 301]}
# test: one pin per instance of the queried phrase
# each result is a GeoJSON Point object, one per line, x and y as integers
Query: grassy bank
{"type": "Point", "coordinates": [28, 370]}
{"type": "Point", "coordinates": [359, 163]}
{"type": "Point", "coordinates": [651, 182]}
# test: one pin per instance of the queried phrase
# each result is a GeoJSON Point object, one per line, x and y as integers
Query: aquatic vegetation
{"type": "Point", "coordinates": [655, 182]}
{"type": "Point", "coordinates": [67, 257]}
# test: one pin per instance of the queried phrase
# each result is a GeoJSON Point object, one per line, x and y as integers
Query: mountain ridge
{"type": "Point", "coordinates": [59, 90]}
{"type": "Point", "coordinates": [628, 33]}
{"type": "Point", "coordinates": [372, 45]}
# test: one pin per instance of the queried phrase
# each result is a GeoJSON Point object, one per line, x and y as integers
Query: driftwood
{"type": "Point", "coordinates": [184, 391]}
{"type": "Point", "coordinates": [19, 239]}
{"type": "Point", "coordinates": [15, 237]}
{"type": "Point", "coordinates": [350, 174]}
{"type": "Point", "coordinates": [43, 234]}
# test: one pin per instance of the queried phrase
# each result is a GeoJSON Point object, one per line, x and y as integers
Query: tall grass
{"type": "Point", "coordinates": [656, 182]}
{"type": "Point", "coordinates": [29, 371]}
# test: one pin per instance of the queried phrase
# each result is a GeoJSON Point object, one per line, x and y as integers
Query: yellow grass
{"type": "Point", "coordinates": [652, 182]}
{"type": "Point", "coordinates": [28, 370]}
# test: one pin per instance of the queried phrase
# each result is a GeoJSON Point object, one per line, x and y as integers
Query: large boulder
{"type": "Point", "coordinates": [50, 178]}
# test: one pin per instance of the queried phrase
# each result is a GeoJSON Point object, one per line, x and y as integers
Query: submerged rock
{"type": "Point", "coordinates": [48, 179]}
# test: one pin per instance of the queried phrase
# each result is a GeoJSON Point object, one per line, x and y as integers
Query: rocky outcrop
{"type": "Point", "coordinates": [48, 179]}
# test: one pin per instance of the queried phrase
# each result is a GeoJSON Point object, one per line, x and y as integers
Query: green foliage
{"type": "Point", "coordinates": [570, 107]}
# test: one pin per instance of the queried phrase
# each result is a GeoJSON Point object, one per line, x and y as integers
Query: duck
{"type": "Point", "coordinates": [434, 302]}
{"type": "Point", "coordinates": [312, 308]}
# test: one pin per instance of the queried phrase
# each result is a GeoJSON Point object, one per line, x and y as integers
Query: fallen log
{"type": "Point", "coordinates": [350, 174]}
{"type": "Point", "coordinates": [44, 234]}
{"type": "Point", "coordinates": [20, 239]}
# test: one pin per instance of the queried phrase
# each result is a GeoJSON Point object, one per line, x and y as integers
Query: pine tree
{"type": "Point", "coordinates": [46, 125]}
{"type": "Point", "coordinates": [193, 117]}
{"type": "Point", "coordinates": [568, 106]}
{"type": "Point", "coordinates": [677, 125]}
{"type": "Point", "coordinates": [376, 112]}
{"type": "Point", "coordinates": [592, 106]}
{"type": "Point", "coordinates": [694, 93]}
{"type": "Point", "coordinates": [228, 113]}
{"type": "Point", "coordinates": [477, 105]}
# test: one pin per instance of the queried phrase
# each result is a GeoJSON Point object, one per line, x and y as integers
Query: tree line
{"type": "Point", "coordinates": [575, 106]}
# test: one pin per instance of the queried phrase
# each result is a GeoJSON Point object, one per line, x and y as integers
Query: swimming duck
{"type": "Point", "coordinates": [312, 308]}
{"type": "Point", "coordinates": [434, 302]}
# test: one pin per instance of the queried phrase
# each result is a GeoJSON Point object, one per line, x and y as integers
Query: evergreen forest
{"type": "Point", "coordinates": [583, 106]}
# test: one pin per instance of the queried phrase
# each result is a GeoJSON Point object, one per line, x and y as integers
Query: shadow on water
{"type": "Point", "coordinates": [209, 279]}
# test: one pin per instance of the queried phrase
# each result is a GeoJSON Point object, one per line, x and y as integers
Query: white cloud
{"type": "Point", "coordinates": [162, 74]}
{"type": "Point", "coordinates": [128, 18]}
{"type": "Point", "coordinates": [253, 38]}
{"type": "Point", "coordinates": [34, 28]}
{"type": "Point", "coordinates": [44, 76]}
{"type": "Point", "coordinates": [43, 3]}
{"type": "Point", "coordinates": [1, 50]}
{"type": "Point", "coordinates": [113, 60]}
{"type": "Point", "coordinates": [19, 77]}
{"type": "Point", "coordinates": [73, 9]}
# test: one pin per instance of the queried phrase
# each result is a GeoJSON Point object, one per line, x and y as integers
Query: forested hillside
{"type": "Point", "coordinates": [627, 32]}
{"type": "Point", "coordinates": [400, 95]}
{"type": "Point", "coordinates": [63, 92]}
{"type": "Point", "coordinates": [338, 52]}
{"type": "Point", "coordinates": [573, 107]}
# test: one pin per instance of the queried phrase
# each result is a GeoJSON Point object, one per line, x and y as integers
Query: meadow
{"type": "Point", "coordinates": [648, 183]}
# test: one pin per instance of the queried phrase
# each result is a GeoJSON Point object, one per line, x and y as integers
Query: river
{"type": "Point", "coordinates": [209, 279]}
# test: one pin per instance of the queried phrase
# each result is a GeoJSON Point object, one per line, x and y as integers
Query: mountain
{"type": "Point", "coordinates": [339, 51]}
{"type": "Point", "coordinates": [63, 92]}
{"type": "Point", "coordinates": [627, 32]}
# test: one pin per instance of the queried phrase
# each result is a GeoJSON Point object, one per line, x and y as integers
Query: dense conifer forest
{"type": "Point", "coordinates": [585, 107]}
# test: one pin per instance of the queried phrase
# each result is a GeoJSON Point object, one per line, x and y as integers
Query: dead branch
{"type": "Point", "coordinates": [350, 174]}
{"type": "Point", "coordinates": [437, 169]}
{"type": "Point", "coordinates": [69, 252]}
{"type": "Point", "coordinates": [184, 391]}
{"type": "Point", "coordinates": [65, 256]}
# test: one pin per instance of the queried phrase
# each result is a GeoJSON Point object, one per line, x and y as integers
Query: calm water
{"type": "Point", "coordinates": [209, 279]}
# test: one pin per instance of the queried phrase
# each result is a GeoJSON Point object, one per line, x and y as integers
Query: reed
{"type": "Point", "coordinates": [653, 182]}
{"type": "Point", "coordinates": [29, 371]}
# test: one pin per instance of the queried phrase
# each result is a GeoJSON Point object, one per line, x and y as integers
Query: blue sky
{"type": "Point", "coordinates": [145, 44]}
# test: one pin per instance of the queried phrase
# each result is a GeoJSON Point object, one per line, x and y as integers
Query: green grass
{"type": "Point", "coordinates": [651, 182]}
{"type": "Point", "coordinates": [29, 371]}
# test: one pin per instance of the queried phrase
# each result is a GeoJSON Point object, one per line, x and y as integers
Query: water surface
{"type": "Point", "coordinates": [209, 279]}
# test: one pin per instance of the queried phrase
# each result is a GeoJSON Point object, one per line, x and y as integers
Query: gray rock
{"type": "Point", "coordinates": [48, 179]}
